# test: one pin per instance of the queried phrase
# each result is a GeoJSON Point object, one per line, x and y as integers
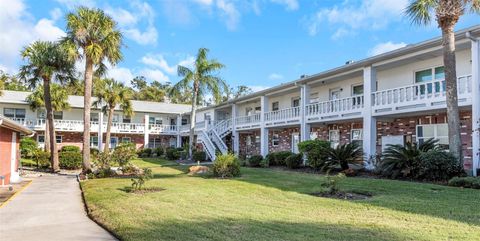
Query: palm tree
{"type": "Point", "coordinates": [203, 80]}
{"type": "Point", "coordinates": [45, 62]}
{"type": "Point", "coordinates": [447, 13]}
{"type": "Point", "coordinates": [2, 86]}
{"type": "Point", "coordinates": [59, 97]}
{"type": "Point", "coordinates": [93, 36]}
{"type": "Point", "coordinates": [111, 93]}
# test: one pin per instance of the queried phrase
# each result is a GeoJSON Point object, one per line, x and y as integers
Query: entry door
{"type": "Point", "coordinates": [295, 141]}
{"type": "Point", "coordinates": [113, 142]}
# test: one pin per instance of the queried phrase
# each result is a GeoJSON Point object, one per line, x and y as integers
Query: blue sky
{"type": "Point", "coordinates": [262, 42]}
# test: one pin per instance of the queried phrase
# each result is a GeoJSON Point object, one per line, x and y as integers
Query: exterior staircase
{"type": "Point", "coordinates": [211, 139]}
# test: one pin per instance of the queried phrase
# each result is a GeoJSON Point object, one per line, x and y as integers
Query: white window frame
{"type": "Point", "coordinates": [92, 142]}
{"type": "Point", "coordinates": [38, 139]}
{"type": "Point", "coordinates": [432, 69]}
{"type": "Point", "coordinates": [275, 138]}
{"type": "Point", "coordinates": [360, 139]}
{"type": "Point", "coordinates": [116, 142]}
{"type": "Point", "coordinates": [332, 143]}
{"type": "Point", "coordinates": [356, 85]}
{"type": "Point", "coordinates": [56, 139]}
{"type": "Point", "coordinates": [330, 93]}
{"type": "Point", "coordinates": [435, 132]}
{"type": "Point", "coordinates": [295, 99]}
{"type": "Point", "coordinates": [314, 98]}
{"type": "Point", "coordinates": [15, 112]}
{"type": "Point", "coordinates": [126, 138]}
{"type": "Point", "coordinates": [278, 105]}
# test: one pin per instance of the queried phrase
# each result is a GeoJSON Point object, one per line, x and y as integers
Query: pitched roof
{"type": "Point", "coordinates": [12, 125]}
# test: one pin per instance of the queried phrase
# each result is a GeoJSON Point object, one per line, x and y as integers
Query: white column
{"type": "Point", "coordinates": [263, 128]}
{"type": "Point", "coordinates": [146, 131]}
{"type": "Point", "coordinates": [100, 131]}
{"type": "Point", "coordinates": [305, 100]}
{"type": "Point", "coordinates": [179, 137]}
{"type": "Point", "coordinates": [235, 134]}
{"type": "Point", "coordinates": [475, 106]}
{"type": "Point", "coordinates": [369, 122]}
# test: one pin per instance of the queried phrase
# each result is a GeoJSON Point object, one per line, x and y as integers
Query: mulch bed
{"type": "Point", "coordinates": [143, 190]}
{"type": "Point", "coordinates": [343, 195]}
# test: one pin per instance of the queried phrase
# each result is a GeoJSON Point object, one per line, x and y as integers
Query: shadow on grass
{"type": "Point", "coordinates": [419, 198]}
{"type": "Point", "coordinates": [234, 229]}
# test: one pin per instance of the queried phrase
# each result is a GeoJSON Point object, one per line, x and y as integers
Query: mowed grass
{"type": "Point", "coordinates": [266, 204]}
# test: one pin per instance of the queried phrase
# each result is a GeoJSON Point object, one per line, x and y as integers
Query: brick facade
{"type": "Point", "coordinates": [285, 139]}
{"type": "Point", "coordinates": [253, 148]}
{"type": "Point", "coordinates": [345, 131]}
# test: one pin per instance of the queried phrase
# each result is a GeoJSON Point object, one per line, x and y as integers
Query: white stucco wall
{"type": "Point", "coordinates": [346, 86]}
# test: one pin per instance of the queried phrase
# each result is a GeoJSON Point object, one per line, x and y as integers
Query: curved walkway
{"type": "Point", "coordinates": [51, 208]}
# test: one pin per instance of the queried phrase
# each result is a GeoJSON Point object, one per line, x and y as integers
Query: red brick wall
{"type": "Point", "coordinates": [285, 135]}
{"type": "Point", "coordinates": [6, 152]}
{"type": "Point", "coordinates": [345, 130]}
{"type": "Point", "coordinates": [250, 150]}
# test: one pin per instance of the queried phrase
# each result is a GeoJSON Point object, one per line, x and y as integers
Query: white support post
{"type": "Point", "coordinates": [100, 132]}
{"type": "Point", "coordinates": [235, 134]}
{"type": "Point", "coordinates": [305, 100]}
{"type": "Point", "coordinates": [178, 126]}
{"type": "Point", "coordinates": [369, 122]}
{"type": "Point", "coordinates": [146, 131]}
{"type": "Point", "coordinates": [263, 128]}
{"type": "Point", "coordinates": [475, 106]}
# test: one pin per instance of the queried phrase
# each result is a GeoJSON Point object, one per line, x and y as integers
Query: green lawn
{"type": "Point", "coordinates": [267, 204]}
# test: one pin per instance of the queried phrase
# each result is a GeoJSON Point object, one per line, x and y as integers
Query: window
{"type": "Point", "coordinates": [154, 142]}
{"type": "Point", "coordinates": [127, 119]}
{"type": "Point", "coordinates": [93, 141]}
{"type": "Point", "coordinates": [41, 114]}
{"type": "Point", "coordinates": [184, 121]}
{"type": "Point", "coordinates": [313, 135]}
{"type": "Point", "coordinates": [275, 139]}
{"type": "Point", "coordinates": [335, 94]}
{"type": "Point", "coordinates": [296, 102]}
{"type": "Point", "coordinates": [249, 140]}
{"type": "Point", "coordinates": [357, 137]}
{"type": "Point", "coordinates": [58, 139]}
{"type": "Point", "coordinates": [126, 139]}
{"type": "Point", "coordinates": [113, 141]}
{"type": "Point", "coordinates": [248, 111]}
{"type": "Point", "coordinates": [427, 75]}
{"type": "Point", "coordinates": [41, 139]}
{"type": "Point", "coordinates": [314, 97]}
{"type": "Point", "coordinates": [435, 131]}
{"type": "Point", "coordinates": [94, 117]}
{"type": "Point", "coordinates": [58, 115]}
{"type": "Point", "coordinates": [173, 121]}
{"type": "Point", "coordinates": [116, 118]}
{"type": "Point", "coordinates": [155, 120]}
{"type": "Point", "coordinates": [258, 109]}
{"type": "Point", "coordinates": [357, 89]}
{"type": "Point", "coordinates": [275, 106]}
{"type": "Point", "coordinates": [257, 139]}
{"type": "Point", "coordinates": [334, 138]}
{"type": "Point", "coordinates": [173, 142]}
{"type": "Point", "coordinates": [14, 113]}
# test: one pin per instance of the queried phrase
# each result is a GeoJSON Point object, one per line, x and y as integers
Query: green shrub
{"type": "Point", "coordinates": [70, 159]}
{"type": "Point", "coordinates": [146, 152]}
{"type": "Point", "coordinates": [294, 161]}
{"type": "Point", "coordinates": [226, 166]}
{"type": "Point", "coordinates": [467, 182]}
{"type": "Point", "coordinates": [94, 152]}
{"type": "Point", "coordinates": [331, 182]}
{"type": "Point", "coordinates": [255, 161]}
{"type": "Point", "coordinates": [159, 151]}
{"type": "Point", "coordinates": [342, 155]}
{"type": "Point", "coordinates": [315, 151]}
{"type": "Point", "coordinates": [402, 161]}
{"type": "Point", "coordinates": [278, 158]}
{"type": "Point", "coordinates": [124, 153]}
{"type": "Point", "coordinates": [104, 160]}
{"type": "Point", "coordinates": [172, 154]}
{"type": "Point", "coordinates": [70, 148]}
{"type": "Point", "coordinates": [42, 158]}
{"type": "Point", "coordinates": [269, 159]}
{"type": "Point", "coordinates": [141, 179]}
{"type": "Point", "coordinates": [28, 146]}
{"type": "Point", "coordinates": [199, 156]}
{"type": "Point", "coordinates": [437, 165]}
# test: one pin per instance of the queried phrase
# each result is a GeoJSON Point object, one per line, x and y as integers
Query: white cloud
{"type": "Point", "coordinates": [204, 2]}
{"type": "Point", "coordinates": [56, 13]}
{"type": "Point", "coordinates": [230, 13]}
{"type": "Point", "coordinates": [18, 29]}
{"type": "Point", "coordinates": [129, 21]}
{"type": "Point", "coordinates": [121, 74]}
{"type": "Point", "coordinates": [370, 14]}
{"type": "Point", "coordinates": [154, 74]}
{"type": "Point", "coordinates": [385, 47]}
{"type": "Point", "coordinates": [159, 61]}
{"type": "Point", "coordinates": [289, 4]}
{"type": "Point", "coordinates": [125, 75]}
{"type": "Point", "coordinates": [275, 76]}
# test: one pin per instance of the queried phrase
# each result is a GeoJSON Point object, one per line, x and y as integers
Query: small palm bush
{"type": "Point", "coordinates": [342, 155]}
{"type": "Point", "coordinates": [226, 166]}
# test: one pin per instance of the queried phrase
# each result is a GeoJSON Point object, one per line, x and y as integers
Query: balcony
{"type": "Point", "coordinates": [125, 127]}
{"type": "Point", "coordinates": [283, 117]}
{"type": "Point", "coordinates": [338, 109]}
{"type": "Point", "coordinates": [248, 122]}
{"type": "Point", "coordinates": [163, 129]}
{"type": "Point", "coordinates": [420, 96]}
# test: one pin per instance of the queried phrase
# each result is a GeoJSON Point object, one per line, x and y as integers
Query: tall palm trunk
{"type": "Point", "coordinates": [51, 127]}
{"type": "Point", "coordinates": [455, 143]}
{"type": "Point", "coordinates": [192, 119]}
{"type": "Point", "coordinates": [109, 128]}
{"type": "Point", "coordinates": [86, 114]}
{"type": "Point", "coordinates": [46, 140]}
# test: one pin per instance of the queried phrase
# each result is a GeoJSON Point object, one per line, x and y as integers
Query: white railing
{"type": "Point", "coordinates": [223, 127]}
{"type": "Point", "coordinates": [125, 127]}
{"type": "Point", "coordinates": [283, 115]}
{"type": "Point", "coordinates": [419, 93]}
{"type": "Point", "coordinates": [25, 122]}
{"type": "Point", "coordinates": [335, 106]}
{"type": "Point", "coordinates": [185, 128]}
{"type": "Point", "coordinates": [248, 120]}
{"type": "Point", "coordinates": [200, 125]}
{"type": "Point", "coordinates": [157, 129]}
{"type": "Point", "coordinates": [217, 140]}
{"type": "Point", "coordinates": [203, 138]}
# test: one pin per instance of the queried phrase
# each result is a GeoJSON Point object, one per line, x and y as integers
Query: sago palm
{"type": "Point", "coordinates": [94, 37]}
{"type": "Point", "coordinates": [59, 100]}
{"type": "Point", "coordinates": [46, 62]}
{"type": "Point", "coordinates": [447, 13]}
{"type": "Point", "coordinates": [202, 79]}
{"type": "Point", "coordinates": [111, 93]}
{"type": "Point", "coordinates": [342, 155]}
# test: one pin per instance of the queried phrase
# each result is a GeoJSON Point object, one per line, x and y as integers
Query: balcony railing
{"type": "Point", "coordinates": [283, 115]}
{"type": "Point", "coordinates": [125, 127]}
{"type": "Point", "coordinates": [250, 120]}
{"type": "Point", "coordinates": [163, 129]}
{"type": "Point", "coordinates": [335, 108]}
{"type": "Point", "coordinates": [419, 95]}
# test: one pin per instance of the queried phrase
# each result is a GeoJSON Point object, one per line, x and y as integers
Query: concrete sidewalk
{"type": "Point", "coordinates": [51, 208]}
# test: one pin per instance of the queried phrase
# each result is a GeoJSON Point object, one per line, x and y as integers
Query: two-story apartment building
{"type": "Point", "coordinates": [391, 98]}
